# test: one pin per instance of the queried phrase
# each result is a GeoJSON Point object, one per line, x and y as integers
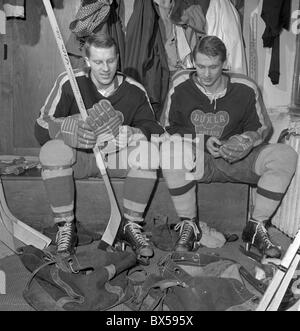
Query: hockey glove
{"type": "Point", "coordinates": [104, 120]}
{"type": "Point", "coordinates": [76, 133]}
{"type": "Point", "coordinates": [236, 148]}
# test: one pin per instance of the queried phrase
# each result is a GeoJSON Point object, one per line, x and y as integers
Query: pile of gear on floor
{"type": "Point", "coordinates": [96, 280]}
{"type": "Point", "coordinates": [16, 166]}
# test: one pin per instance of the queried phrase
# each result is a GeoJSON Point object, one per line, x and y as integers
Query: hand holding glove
{"type": "Point", "coordinates": [74, 132]}
{"type": "Point", "coordinates": [236, 148]}
{"type": "Point", "coordinates": [104, 120]}
{"type": "Point", "coordinates": [213, 146]}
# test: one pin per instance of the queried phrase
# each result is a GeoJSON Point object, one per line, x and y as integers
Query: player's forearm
{"type": "Point", "coordinates": [254, 136]}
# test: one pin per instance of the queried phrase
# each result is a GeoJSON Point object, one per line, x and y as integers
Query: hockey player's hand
{"type": "Point", "coordinates": [213, 145]}
{"type": "Point", "coordinates": [236, 148]}
{"type": "Point", "coordinates": [104, 120]}
{"type": "Point", "coordinates": [76, 133]}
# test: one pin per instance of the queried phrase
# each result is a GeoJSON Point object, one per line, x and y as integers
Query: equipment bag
{"type": "Point", "coordinates": [193, 282]}
{"type": "Point", "coordinates": [90, 280]}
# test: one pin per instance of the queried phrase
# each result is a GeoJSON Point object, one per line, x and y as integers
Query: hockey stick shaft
{"type": "Point", "coordinates": [114, 222]}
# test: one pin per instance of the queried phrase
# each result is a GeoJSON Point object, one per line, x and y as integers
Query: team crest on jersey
{"type": "Point", "coordinates": [209, 123]}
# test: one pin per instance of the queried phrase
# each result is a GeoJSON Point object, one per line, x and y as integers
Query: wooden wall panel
{"type": "Point", "coordinates": [6, 96]}
{"type": "Point", "coordinates": [35, 65]}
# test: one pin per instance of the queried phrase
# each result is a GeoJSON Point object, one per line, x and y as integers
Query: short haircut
{"type": "Point", "coordinates": [99, 41]}
{"type": "Point", "coordinates": [210, 46]}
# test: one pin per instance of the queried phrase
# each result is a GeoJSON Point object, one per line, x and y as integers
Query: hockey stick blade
{"type": "Point", "coordinates": [114, 222]}
{"type": "Point", "coordinates": [11, 227]}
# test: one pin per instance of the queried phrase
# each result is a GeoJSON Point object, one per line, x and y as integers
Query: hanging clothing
{"type": "Point", "coordinates": [126, 10]}
{"type": "Point", "coordinates": [190, 13]}
{"type": "Point", "coordinates": [90, 15]}
{"type": "Point", "coordinates": [114, 27]}
{"type": "Point", "coordinates": [10, 8]}
{"type": "Point", "coordinates": [167, 30]}
{"type": "Point", "coordinates": [276, 15]}
{"type": "Point", "coordinates": [111, 25]}
{"type": "Point", "coordinates": [145, 57]}
{"type": "Point", "coordinates": [178, 50]}
{"type": "Point", "coordinates": [240, 7]}
{"type": "Point", "coordinates": [223, 21]}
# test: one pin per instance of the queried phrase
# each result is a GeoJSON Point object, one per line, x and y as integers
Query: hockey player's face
{"type": "Point", "coordinates": [209, 70]}
{"type": "Point", "coordinates": [103, 63]}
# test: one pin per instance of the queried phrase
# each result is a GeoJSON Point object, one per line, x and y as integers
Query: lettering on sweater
{"type": "Point", "coordinates": [209, 123]}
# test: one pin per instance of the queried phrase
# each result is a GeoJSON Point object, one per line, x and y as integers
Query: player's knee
{"type": "Point", "coordinates": [289, 157]}
{"type": "Point", "coordinates": [56, 153]}
{"type": "Point", "coordinates": [283, 157]}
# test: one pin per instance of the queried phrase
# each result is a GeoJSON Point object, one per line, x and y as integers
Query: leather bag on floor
{"type": "Point", "coordinates": [89, 281]}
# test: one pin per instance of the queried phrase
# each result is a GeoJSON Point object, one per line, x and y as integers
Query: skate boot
{"type": "Point", "coordinates": [256, 234]}
{"type": "Point", "coordinates": [85, 236]}
{"type": "Point", "coordinates": [189, 236]}
{"type": "Point", "coordinates": [66, 239]}
{"type": "Point", "coordinates": [130, 233]}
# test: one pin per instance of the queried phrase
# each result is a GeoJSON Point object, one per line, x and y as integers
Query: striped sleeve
{"type": "Point", "coordinates": [180, 77]}
{"type": "Point", "coordinates": [264, 119]}
{"type": "Point", "coordinates": [56, 106]}
{"type": "Point", "coordinates": [144, 117]}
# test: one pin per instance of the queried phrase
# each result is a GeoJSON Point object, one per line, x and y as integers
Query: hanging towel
{"type": "Point", "coordinates": [223, 21]}
{"type": "Point", "coordinates": [90, 15]}
{"type": "Point", "coordinates": [10, 8]}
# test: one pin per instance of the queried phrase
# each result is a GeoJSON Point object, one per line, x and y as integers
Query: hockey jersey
{"type": "Point", "coordinates": [130, 98]}
{"type": "Point", "coordinates": [239, 109]}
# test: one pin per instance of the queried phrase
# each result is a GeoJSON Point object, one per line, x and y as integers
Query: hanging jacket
{"type": "Point", "coordinates": [190, 13]}
{"type": "Point", "coordinates": [114, 27]}
{"type": "Point", "coordinates": [276, 15]}
{"type": "Point", "coordinates": [223, 21]}
{"type": "Point", "coordinates": [145, 58]}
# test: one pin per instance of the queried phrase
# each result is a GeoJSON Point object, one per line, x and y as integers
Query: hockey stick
{"type": "Point", "coordinates": [282, 278]}
{"type": "Point", "coordinates": [11, 227]}
{"type": "Point", "coordinates": [253, 45]}
{"type": "Point", "coordinates": [115, 216]}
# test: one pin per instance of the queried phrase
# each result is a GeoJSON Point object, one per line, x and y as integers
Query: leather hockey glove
{"type": "Point", "coordinates": [236, 148]}
{"type": "Point", "coordinates": [104, 120]}
{"type": "Point", "coordinates": [73, 131]}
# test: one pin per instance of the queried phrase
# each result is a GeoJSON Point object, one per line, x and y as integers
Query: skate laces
{"type": "Point", "coordinates": [263, 233]}
{"type": "Point", "coordinates": [64, 237]}
{"type": "Point", "coordinates": [185, 228]}
{"type": "Point", "coordinates": [135, 230]}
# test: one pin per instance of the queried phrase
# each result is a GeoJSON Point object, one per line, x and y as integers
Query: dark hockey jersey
{"type": "Point", "coordinates": [240, 109]}
{"type": "Point", "coordinates": [130, 98]}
